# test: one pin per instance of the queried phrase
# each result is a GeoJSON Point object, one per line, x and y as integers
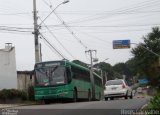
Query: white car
{"type": "Point", "coordinates": [117, 88]}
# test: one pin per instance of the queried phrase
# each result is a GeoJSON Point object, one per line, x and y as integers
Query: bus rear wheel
{"type": "Point", "coordinates": [89, 95]}
{"type": "Point", "coordinates": [46, 101]}
{"type": "Point", "coordinates": [75, 95]}
{"type": "Point", "coordinates": [99, 97]}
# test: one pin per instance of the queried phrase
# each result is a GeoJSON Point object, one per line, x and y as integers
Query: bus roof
{"type": "Point", "coordinates": [67, 62]}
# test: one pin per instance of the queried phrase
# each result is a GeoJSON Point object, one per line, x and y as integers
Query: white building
{"type": "Point", "coordinates": [8, 73]}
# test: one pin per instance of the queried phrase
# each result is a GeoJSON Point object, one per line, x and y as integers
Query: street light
{"type": "Point", "coordinates": [66, 1]}
{"type": "Point", "coordinates": [37, 27]}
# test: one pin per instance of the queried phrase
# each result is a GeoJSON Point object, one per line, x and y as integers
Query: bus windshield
{"type": "Point", "coordinates": [50, 76]}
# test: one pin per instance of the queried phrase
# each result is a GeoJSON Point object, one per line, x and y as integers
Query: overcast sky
{"type": "Point", "coordinates": [89, 23]}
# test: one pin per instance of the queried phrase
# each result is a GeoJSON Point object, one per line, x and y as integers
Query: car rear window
{"type": "Point", "coordinates": [115, 82]}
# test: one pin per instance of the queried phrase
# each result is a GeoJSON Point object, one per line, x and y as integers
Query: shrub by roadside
{"type": "Point", "coordinates": [12, 94]}
{"type": "Point", "coordinates": [155, 103]}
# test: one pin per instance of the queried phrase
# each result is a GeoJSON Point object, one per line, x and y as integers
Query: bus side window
{"type": "Point", "coordinates": [68, 74]}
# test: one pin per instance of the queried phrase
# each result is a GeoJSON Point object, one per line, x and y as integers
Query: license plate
{"type": "Point", "coordinates": [114, 88]}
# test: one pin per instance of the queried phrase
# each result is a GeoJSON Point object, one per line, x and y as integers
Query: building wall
{"type": "Point", "coordinates": [25, 79]}
{"type": "Point", "coordinates": [8, 73]}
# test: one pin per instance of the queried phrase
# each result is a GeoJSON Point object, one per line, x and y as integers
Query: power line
{"type": "Point", "coordinates": [15, 32]}
{"type": "Point", "coordinates": [18, 13]}
{"type": "Point", "coordinates": [106, 26]}
{"type": "Point", "coordinates": [108, 12]}
{"type": "Point", "coordinates": [72, 33]}
{"type": "Point", "coordinates": [133, 18]}
{"type": "Point", "coordinates": [47, 3]}
{"type": "Point", "coordinates": [58, 41]}
{"type": "Point", "coordinates": [11, 27]}
{"type": "Point", "coordinates": [120, 10]}
{"type": "Point", "coordinates": [53, 11]}
{"type": "Point", "coordinates": [53, 47]}
{"type": "Point", "coordinates": [5, 29]}
{"type": "Point", "coordinates": [91, 36]}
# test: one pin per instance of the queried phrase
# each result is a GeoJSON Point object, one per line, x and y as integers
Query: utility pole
{"type": "Point", "coordinates": [36, 33]}
{"type": "Point", "coordinates": [91, 72]}
{"type": "Point", "coordinates": [38, 53]}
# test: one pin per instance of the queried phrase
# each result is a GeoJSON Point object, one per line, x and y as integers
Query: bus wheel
{"type": "Point", "coordinates": [99, 98]}
{"type": "Point", "coordinates": [47, 101]}
{"type": "Point", "coordinates": [89, 95]}
{"type": "Point", "coordinates": [75, 95]}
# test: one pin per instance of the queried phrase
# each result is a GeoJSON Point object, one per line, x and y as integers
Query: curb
{"type": "Point", "coordinates": [3, 106]}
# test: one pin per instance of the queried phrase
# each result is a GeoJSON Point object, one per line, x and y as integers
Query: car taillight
{"type": "Point", "coordinates": [123, 86]}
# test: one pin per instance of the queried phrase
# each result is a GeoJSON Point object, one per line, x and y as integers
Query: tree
{"type": "Point", "coordinates": [146, 62]}
{"type": "Point", "coordinates": [131, 66]}
{"type": "Point", "coordinates": [106, 67]}
{"type": "Point", "coordinates": [123, 69]}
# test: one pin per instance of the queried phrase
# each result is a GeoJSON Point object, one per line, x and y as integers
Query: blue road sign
{"type": "Point", "coordinates": [121, 44]}
{"type": "Point", "coordinates": [143, 81]}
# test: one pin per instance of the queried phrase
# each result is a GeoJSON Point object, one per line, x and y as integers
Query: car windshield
{"type": "Point", "coordinates": [114, 82]}
{"type": "Point", "coordinates": [50, 76]}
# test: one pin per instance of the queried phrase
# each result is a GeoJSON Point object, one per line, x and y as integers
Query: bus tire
{"type": "Point", "coordinates": [75, 95]}
{"type": "Point", "coordinates": [89, 95]}
{"type": "Point", "coordinates": [99, 97]}
{"type": "Point", "coordinates": [47, 101]}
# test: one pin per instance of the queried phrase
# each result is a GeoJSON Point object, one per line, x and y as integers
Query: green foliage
{"type": "Point", "coordinates": [122, 68]}
{"type": "Point", "coordinates": [116, 71]}
{"type": "Point", "coordinates": [12, 93]}
{"type": "Point", "coordinates": [145, 61]}
{"type": "Point", "coordinates": [155, 103]}
{"type": "Point", "coordinates": [106, 67]}
{"type": "Point", "coordinates": [31, 93]}
{"type": "Point", "coordinates": [132, 66]}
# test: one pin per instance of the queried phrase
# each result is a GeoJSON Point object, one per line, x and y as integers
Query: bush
{"type": "Point", "coordinates": [155, 103]}
{"type": "Point", "coordinates": [31, 93]}
{"type": "Point", "coordinates": [12, 93]}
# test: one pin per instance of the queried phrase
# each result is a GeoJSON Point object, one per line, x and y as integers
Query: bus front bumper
{"type": "Point", "coordinates": [54, 96]}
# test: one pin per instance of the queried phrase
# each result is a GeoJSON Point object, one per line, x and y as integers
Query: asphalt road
{"type": "Point", "coordinates": [114, 107]}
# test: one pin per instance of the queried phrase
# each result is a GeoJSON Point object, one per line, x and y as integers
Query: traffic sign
{"type": "Point", "coordinates": [121, 44]}
{"type": "Point", "coordinates": [143, 81]}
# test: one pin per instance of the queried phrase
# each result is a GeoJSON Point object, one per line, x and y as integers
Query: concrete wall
{"type": "Point", "coordinates": [8, 73]}
{"type": "Point", "coordinates": [24, 80]}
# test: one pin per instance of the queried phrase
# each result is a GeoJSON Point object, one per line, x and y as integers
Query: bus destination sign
{"type": "Point", "coordinates": [121, 44]}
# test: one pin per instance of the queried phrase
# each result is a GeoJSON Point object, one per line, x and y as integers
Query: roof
{"type": "Point", "coordinates": [7, 50]}
{"type": "Point", "coordinates": [24, 72]}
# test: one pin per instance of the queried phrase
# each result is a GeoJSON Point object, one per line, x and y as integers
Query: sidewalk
{"type": "Point", "coordinates": [8, 105]}
{"type": "Point", "coordinates": [17, 104]}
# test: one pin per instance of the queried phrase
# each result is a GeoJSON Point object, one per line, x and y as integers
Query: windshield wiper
{"type": "Point", "coordinates": [54, 69]}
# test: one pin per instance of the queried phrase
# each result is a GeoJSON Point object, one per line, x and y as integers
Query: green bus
{"type": "Point", "coordinates": [65, 80]}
